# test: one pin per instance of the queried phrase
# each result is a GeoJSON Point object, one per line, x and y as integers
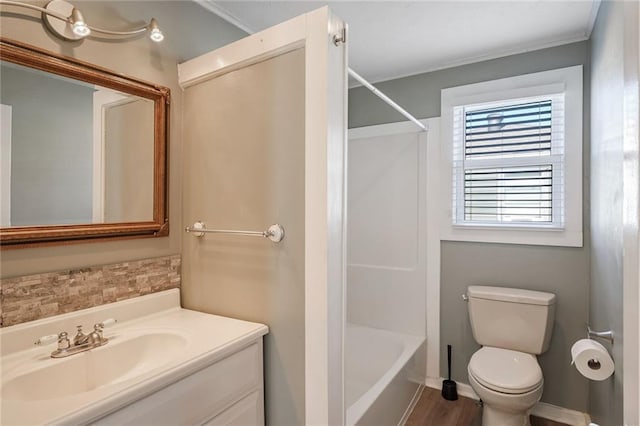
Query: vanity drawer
{"type": "Point", "coordinates": [199, 396]}
{"type": "Point", "coordinates": [249, 411]}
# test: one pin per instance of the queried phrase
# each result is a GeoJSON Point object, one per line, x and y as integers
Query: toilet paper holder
{"type": "Point", "coordinates": [606, 335]}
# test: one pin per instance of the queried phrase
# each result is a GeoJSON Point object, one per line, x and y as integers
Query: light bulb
{"type": "Point", "coordinates": [80, 28]}
{"type": "Point", "coordinates": [155, 35]}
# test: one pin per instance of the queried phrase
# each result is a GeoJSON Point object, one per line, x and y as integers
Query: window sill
{"type": "Point", "coordinates": [546, 236]}
{"type": "Point", "coordinates": [510, 227]}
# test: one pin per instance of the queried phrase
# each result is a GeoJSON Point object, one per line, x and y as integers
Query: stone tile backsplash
{"type": "Point", "coordinates": [32, 297]}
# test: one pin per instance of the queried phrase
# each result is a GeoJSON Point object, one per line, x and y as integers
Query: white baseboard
{"type": "Point", "coordinates": [541, 409]}
{"type": "Point", "coordinates": [560, 414]}
{"type": "Point", "coordinates": [412, 405]}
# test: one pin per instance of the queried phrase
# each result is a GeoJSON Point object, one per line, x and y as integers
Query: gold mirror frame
{"type": "Point", "coordinates": [31, 236]}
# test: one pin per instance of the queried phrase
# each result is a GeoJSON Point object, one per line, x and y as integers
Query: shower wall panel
{"type": "Point", "coordinates": [244, 153]}
{"type": "Point", "coordinates": [386, 249]}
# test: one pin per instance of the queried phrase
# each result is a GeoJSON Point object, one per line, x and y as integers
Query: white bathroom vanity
{"type": "Point", "coordinates": [162, 365]}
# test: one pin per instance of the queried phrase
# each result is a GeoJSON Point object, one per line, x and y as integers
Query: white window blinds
{"type": "Point", "coordinates": [508, 162]}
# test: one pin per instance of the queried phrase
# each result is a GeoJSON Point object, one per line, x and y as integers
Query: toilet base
{"type": "Point", "coordinates": [493, 417]}
{"type": "Point", "coordinates": [500, 409]}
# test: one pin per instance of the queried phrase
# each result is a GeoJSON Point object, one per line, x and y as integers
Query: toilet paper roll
{"type": "Point", "coordinates": [592, 359]}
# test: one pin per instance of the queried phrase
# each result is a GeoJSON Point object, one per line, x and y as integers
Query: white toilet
{"type": "Point", "coordinates": [513, 326]}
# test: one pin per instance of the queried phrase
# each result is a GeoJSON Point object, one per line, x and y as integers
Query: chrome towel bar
{"type": "Point", "coordinates": [275, 232]}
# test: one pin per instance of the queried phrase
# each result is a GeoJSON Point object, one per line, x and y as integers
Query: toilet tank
{"type": "Point", "coordinates": [511, 318]}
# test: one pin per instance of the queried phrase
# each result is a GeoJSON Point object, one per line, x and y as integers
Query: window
{"type": "Point", "coordinates": [513, 150]}
{"type": "Point", "coordinates": [509, 159]}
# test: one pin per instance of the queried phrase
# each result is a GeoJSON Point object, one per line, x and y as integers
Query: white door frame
{"type": "Point", "coordinates": [102, 99]}
{"type": "Point", "coordinates": [325, 181]}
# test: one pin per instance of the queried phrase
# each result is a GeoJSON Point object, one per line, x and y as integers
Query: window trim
{"type": "Point", "coordinates": [567, 80]}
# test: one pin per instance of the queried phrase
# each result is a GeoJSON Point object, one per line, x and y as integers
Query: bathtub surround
{"type": "Point", "coordinates": [561, 270]}
{"type": "Point", "coordinates": [388, 266]}
{"type": "Point", "coordinates": [32, 297]}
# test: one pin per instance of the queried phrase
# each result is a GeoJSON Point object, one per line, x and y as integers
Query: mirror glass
{"type": "Point", "coordinates": [83, 151]}
{"type": "Point", "coordinates": [72, 152]}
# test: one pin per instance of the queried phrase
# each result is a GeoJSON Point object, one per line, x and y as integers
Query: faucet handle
{"type": "Point", "coordinates": [97, 328]}
{"type": "Point", "coordinates": [62, 339]}
{"type": "Point", "coordinates": [107, 323]}
{"type": "Point", "coordinates": [45, 340]}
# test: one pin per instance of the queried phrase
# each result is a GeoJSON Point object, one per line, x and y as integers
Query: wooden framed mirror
{"type": "Point", "coordinates": [83, 151]}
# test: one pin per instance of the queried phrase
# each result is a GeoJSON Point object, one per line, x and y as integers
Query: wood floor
{"type": "Point", "coordinates": [433, 410]}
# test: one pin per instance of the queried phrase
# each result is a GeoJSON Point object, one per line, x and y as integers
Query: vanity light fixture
{"type": "Point", "coordinates": [155, 35]}
{"type": "Point", "coordinates": [66, 21]}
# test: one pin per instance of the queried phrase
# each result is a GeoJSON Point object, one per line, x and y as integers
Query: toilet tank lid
{"type": "Point", "coordinates": [515, 295]}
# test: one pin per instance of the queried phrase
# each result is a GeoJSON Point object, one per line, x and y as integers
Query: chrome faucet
{"type": "Point", "coordinates": [80, 338]}
{"type": "Point", "coordinates": [95, 337]}
{"type": "Point", "coordinates": [81, 342]}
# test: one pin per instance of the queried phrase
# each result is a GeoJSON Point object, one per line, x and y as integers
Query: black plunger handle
{"type": "Point", "coordinates": [449, 359]}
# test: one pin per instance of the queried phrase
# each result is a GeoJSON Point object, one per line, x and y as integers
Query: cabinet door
{"type": "Point", "coordinates": [197, 397]}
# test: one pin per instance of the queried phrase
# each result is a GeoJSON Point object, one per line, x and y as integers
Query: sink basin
{"type": "Point", "coordinates": [124, 357]}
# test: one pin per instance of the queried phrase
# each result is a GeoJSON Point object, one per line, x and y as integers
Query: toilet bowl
{"type": "Point", "coordinates": [508, 382]}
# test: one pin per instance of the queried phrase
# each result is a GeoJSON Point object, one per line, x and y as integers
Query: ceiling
{"type": "Point", "coordinates": [391, 39]}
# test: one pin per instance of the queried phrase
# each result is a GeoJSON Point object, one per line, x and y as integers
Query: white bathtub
{"type": "Point", "coordinates": [381, 375]}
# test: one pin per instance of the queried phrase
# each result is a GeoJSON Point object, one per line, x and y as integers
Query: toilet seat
{"type": "Point", "coordinates": [505, 371]}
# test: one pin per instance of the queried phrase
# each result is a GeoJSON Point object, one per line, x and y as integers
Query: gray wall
{"type": "Point", "coordinates": [189, 31]}
{"type": "Point", "coordinates": [564, 271]}
{"type": "Point", "coordinates": [245, 170]}
{"type": "Point", "coordinates": [51, 153]}
{"type": "Point", "coordinates": [607, 127]}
